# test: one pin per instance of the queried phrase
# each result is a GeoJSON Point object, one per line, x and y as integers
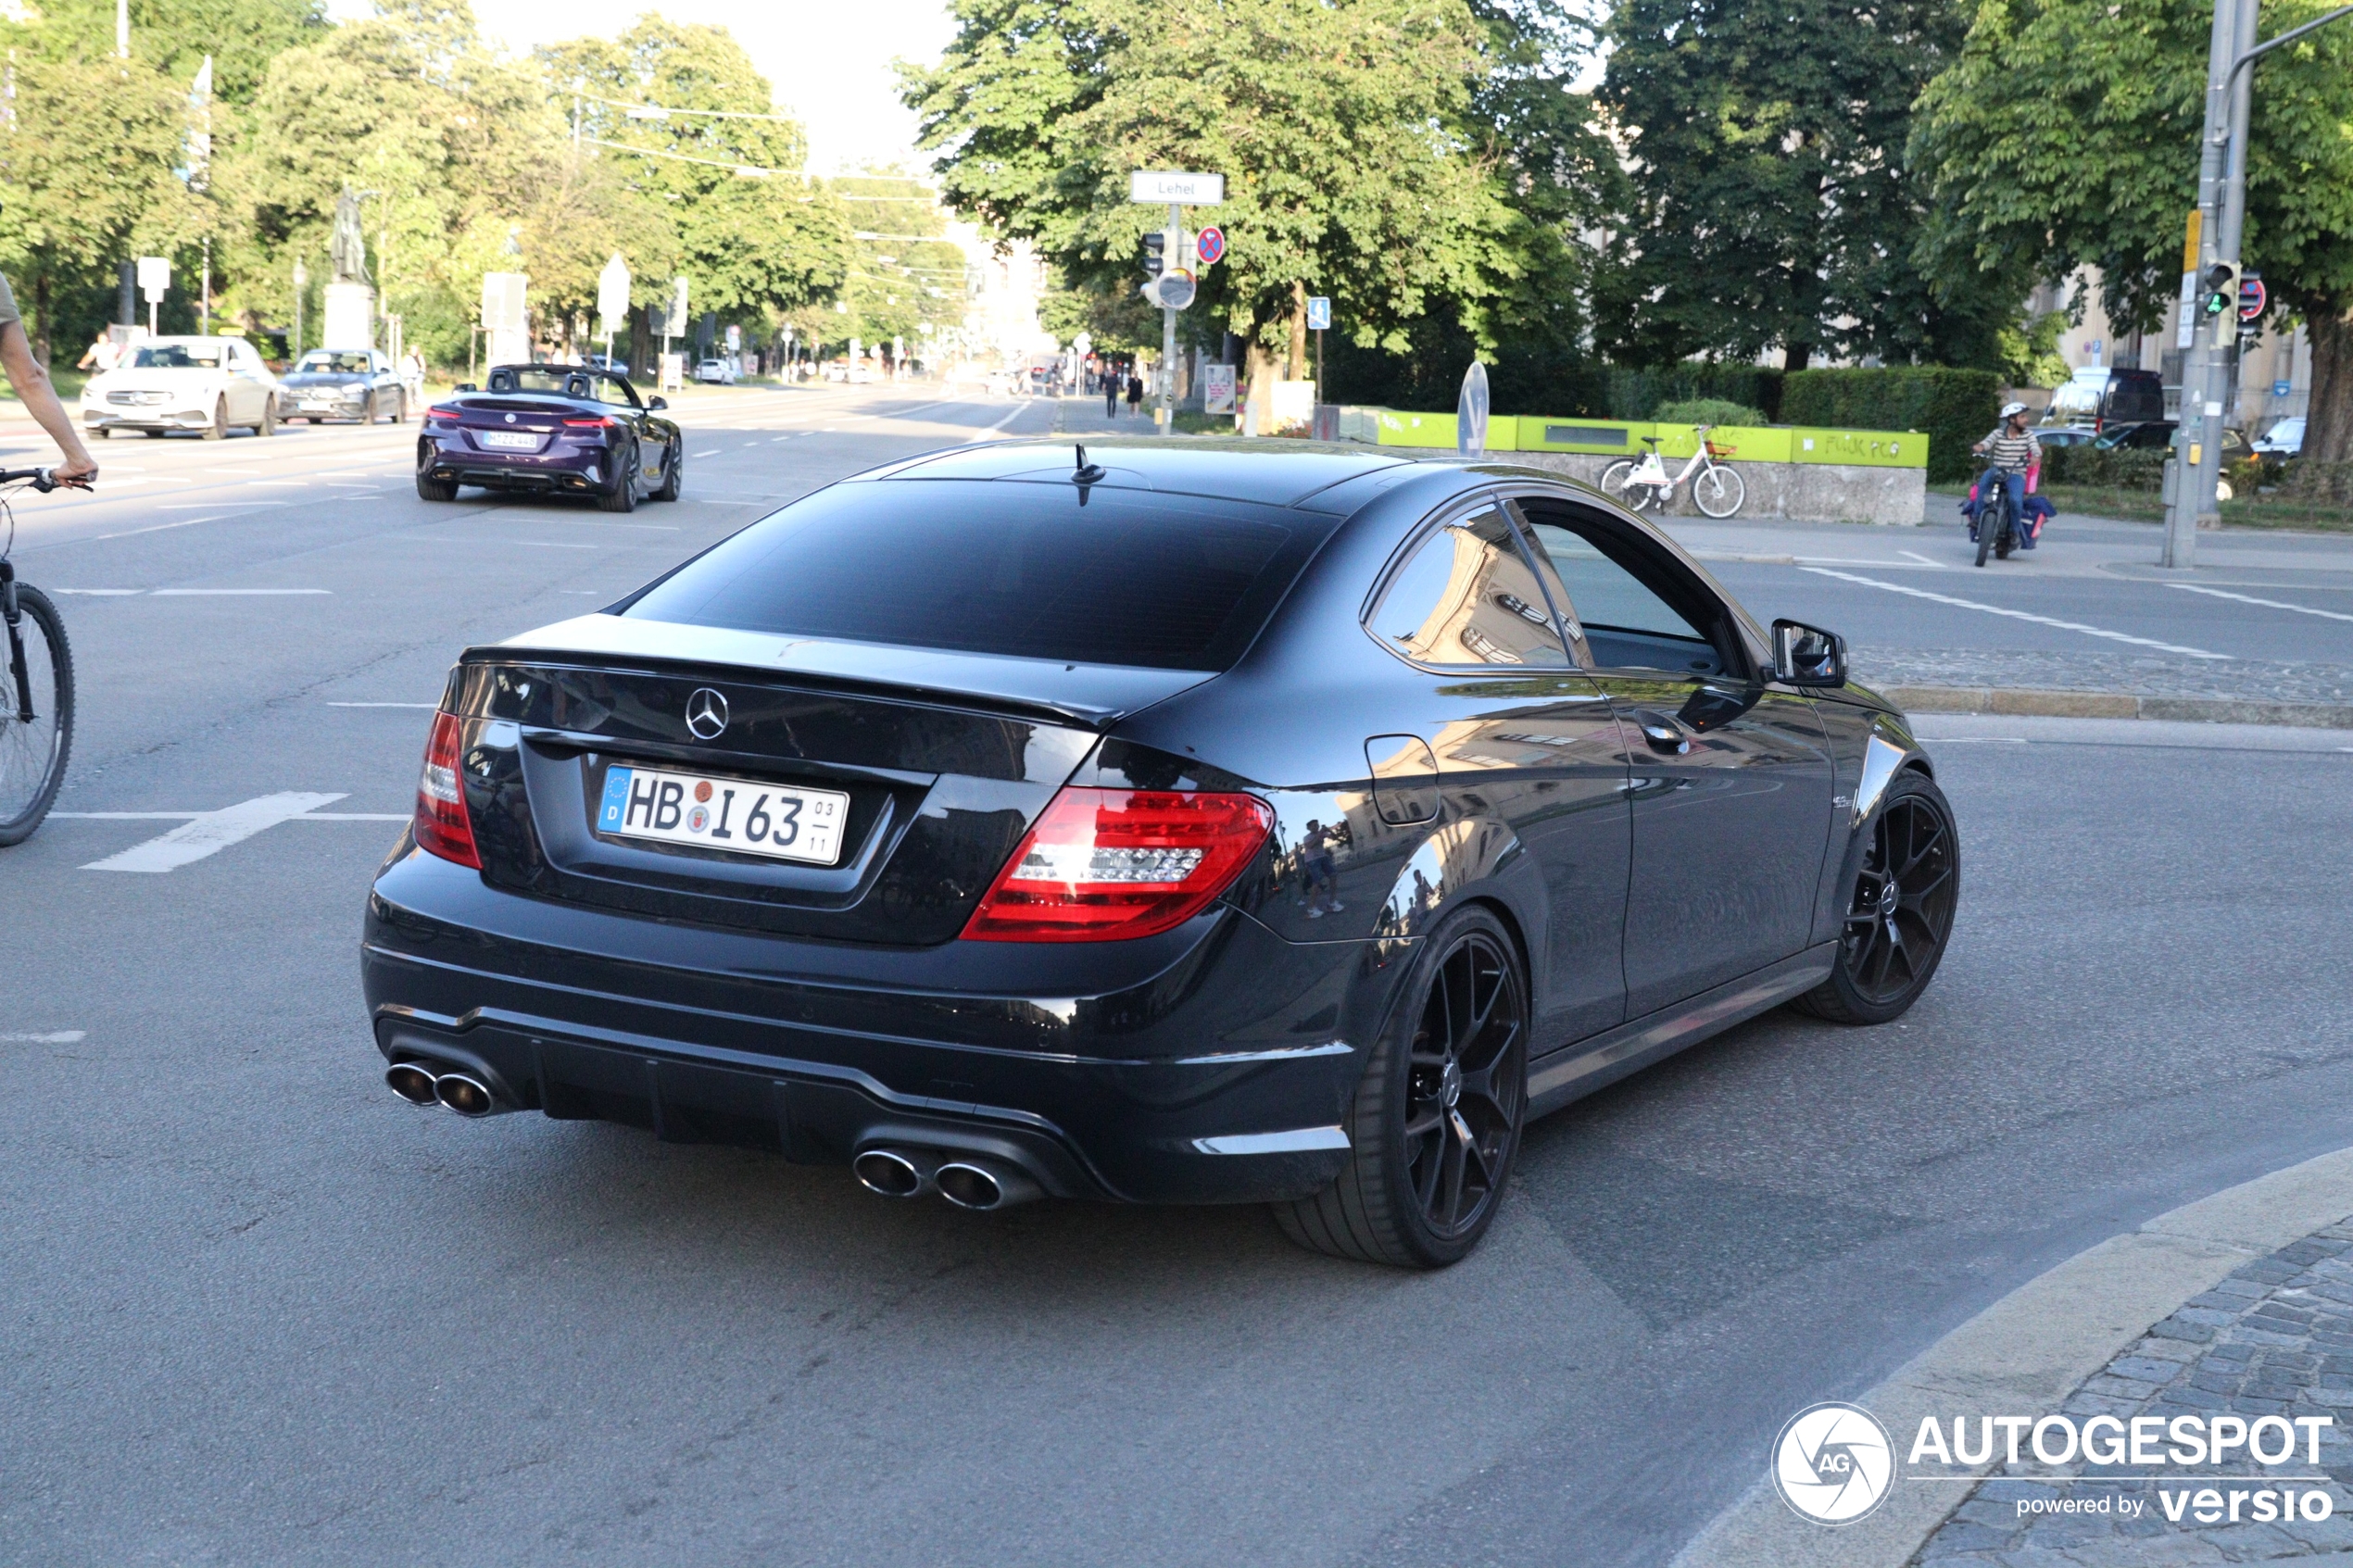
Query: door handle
{"type": "Point", "coordinates": [1661, 733]}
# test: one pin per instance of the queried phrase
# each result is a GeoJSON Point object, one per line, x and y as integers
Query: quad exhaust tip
{"type": "Point", "coordinates": [417, 1083]}
{"type": "Point", "coordinates": [966, 1180]}
{"type": "Point", "coordinates": [891, 1173]}
{"type": "Point", "coordinates": [984, 1184]}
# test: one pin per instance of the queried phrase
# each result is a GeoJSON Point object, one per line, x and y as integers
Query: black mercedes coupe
{"type": "Point", "coordinates": [1163, 822]}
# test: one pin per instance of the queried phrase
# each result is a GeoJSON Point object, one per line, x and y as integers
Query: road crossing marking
{"type": "Point", "coordinates": [2267, 604]}
{"type": "Point", "coordinates": [208, 832]}
{"type": "Point", "coordinates": [233, 593]}
{"type": "Point", "coordinates": [1923, 560]}
{"type": "Point", "coordinates": [55, 1038]}
{"type": "Point", "coordinates": [712, 453]}
{"type": "Point", "coordinates": [2015, 614]}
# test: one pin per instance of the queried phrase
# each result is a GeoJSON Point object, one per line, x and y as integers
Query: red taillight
{"type": "Point", "coordinates": [440, 413]}
{"type": "Point", "coordinates": [588, 424]}
{"type": "Point", "coordinates": [1100, 865]}
{"type": "Point", "coordinates": [443, 828]}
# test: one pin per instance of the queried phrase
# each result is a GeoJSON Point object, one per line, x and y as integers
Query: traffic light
{"type": "Point", "coordinates": [2221, 281]}
{"type": "Point", "coordinates": [1155, 253]}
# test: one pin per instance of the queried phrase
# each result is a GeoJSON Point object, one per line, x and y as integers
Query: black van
{"type": "Point", "coordinates": [2102, 398]}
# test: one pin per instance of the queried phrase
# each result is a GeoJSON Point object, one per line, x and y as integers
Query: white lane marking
{"type": "Point", "coordinates": [384, 705]}
{"type": "Point", "coordinates": [151, 528]}
{"type": "Point", "coordinates": [130, 815]}
{"type": "Point", "coordinates": [786, 437]}
{"type": "Point", "coordinates": [2267, 604]}
{"type": "Point", "coordinates": [552, 544]}
{"type": "Point", "coordinates": [233, 593]}
{"type": "Point", "coordinates": [586, 593]}
{"type": "Point", "coordinates": [213, 831]}
{"type": "Point", "coordinates": [1974, 740]}
{"type": "Point", "coordinates": [200, 506]}
{"type": "Point", "coordinates": [99, 593]}
{"type": "Point", "coordinates": [1923, 560]}
{"type": "Point", "coordinates": [712, 453]}
{"type": "Point", "coordinates": [282, 483]}
{"type": "Point", "coordinates": [55, 1038]}
{"type": "Point", "coordinates": [987, 432]}
{"type": "Point", "coordinates": [2015, 614]}
{"type": "Point", "coordinates": [353, 817]}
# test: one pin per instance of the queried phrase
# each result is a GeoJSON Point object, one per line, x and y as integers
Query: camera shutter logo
{"type": "Point", "coordinates": [706, 714]}
{"type": "Point", "coordinates": [1833, 1463]}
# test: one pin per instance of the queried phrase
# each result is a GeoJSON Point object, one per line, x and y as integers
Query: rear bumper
{"type": "Point", "coordinates": [570, 473]}
{"type": "Point", "coordinates": [1224, 1077]}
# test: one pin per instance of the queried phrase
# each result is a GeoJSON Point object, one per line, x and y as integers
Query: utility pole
{"type": "Point", "coordinates": [1168, 329]}
{"type": "Point", "coordinates": [122, 30]}
{"type": "Point", "coordinates": [2205, 370]}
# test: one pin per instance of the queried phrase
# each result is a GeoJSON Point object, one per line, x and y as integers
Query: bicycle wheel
{"type": "Point", "coordinates": [1719, 491]}
{"type": "Point", "coordinates": [1613, 478]}
{"type": "Point", "coordinates": [1989, 519]}
{"type": "Point", "coordinates": [32, 755]}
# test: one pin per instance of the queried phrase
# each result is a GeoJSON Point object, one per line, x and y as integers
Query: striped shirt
{"type": "Point", "coordinates": [2012, 454]}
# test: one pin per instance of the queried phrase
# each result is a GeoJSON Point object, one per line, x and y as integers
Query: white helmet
{"type": "Point", "coordinates": [2011, 409]}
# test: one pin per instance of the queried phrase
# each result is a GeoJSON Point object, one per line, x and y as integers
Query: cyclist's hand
{"type": "Point", "coordinates": [75, 474]}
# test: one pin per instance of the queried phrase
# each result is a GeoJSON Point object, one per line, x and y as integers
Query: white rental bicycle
{"type": "Point", "coordinates": [1645, 485]}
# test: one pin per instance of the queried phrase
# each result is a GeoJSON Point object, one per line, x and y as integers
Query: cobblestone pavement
{"type": "Point", "coordinates": [2134, 674]}
{"type": "Point", "coordinates": [2273, 1339]}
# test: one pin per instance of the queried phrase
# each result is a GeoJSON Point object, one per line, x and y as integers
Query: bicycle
{"type": "Point", "coordinates": [1720, 489]}
{"type": "Point", "coordinates": [36, 702]}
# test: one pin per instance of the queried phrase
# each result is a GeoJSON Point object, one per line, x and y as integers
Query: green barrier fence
{"type": "Point", "coordinates": [1778, 444]}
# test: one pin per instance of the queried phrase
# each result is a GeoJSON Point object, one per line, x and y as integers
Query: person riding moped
{"type": "Point", "coordinates": [2010, 451]}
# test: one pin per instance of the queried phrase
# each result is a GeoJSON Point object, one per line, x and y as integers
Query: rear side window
{"type": "Point", "coordinates": [1030, 570]}
{"type": "Point", "coordinates": [1466, 596]}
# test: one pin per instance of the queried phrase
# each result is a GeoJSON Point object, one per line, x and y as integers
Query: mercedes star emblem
{"type": "Point", "coordinates": [510, 419]}
{"type": "Point", "coordinates": [706, 714]}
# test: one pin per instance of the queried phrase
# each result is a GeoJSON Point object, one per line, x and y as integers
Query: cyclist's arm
{"type": "Point", "coordinates": [41, 400]}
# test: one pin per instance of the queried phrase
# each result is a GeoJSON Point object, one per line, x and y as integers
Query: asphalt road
{"type": "Point", "coordinates": [257, 1310]}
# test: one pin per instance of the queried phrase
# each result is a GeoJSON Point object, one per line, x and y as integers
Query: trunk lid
{"type": "Point", "coordinates": [945, 760]}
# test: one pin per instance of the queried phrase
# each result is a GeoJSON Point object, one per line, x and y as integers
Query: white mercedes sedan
{"type": "Point", "coordinates": [207, 385]}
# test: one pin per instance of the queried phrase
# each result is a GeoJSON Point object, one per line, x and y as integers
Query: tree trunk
{"type": "Point", "coordinates": [41, 318]}
{"type": "Point", "coordinates": [641, 349]}
{"type": "Point", "coordinates": [1260, 391]}
{"type": "Point", "coordinates": [1298, 332]}
{"type": "Point", "coordinates": [1794, 355]}
{"type": "Point", "coordinates": [2328, 422]}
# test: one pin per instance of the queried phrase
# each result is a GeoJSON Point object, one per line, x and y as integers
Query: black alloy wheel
{"type": "Point", "coordinates": [367, 409]}
{"type": "Point", "coordinates": [623, 496]}
{"type": "Point", "coordinates": [674, 474]}
{"type": "Point", "coordinates": [1438, 1116]}
{"type": "Point", "coordinates": [1901, 914]}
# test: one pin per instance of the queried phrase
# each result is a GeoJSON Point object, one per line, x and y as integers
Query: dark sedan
{"type": "Point", "coordinates": [342, 383]}
{"type": "Point", "coordinates": [1189, 824]}
{"type": "Point", "coordinates": [552, 430]}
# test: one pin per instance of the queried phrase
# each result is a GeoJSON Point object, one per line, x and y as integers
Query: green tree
{"type": "Point", "coordinates": [906, 279]}
{"type": "Point", "coordinates": [1770, 206]}
{"type": "Point", "coordinates": [173, 36]}
{"type": "Point", "coordinates": [1341, 128]}
{"type": "Point", "coordinates": [2065, 136]}
{"type": "Point", "coordinates": [754, 236]}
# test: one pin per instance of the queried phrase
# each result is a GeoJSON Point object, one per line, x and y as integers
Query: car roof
{"type": "Point", "coordinates": [1274, 472]}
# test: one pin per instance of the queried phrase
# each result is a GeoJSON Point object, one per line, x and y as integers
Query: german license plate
{"type": "Point", "coordinates": [513, 440]}
{"type": "Point", "coordinates": [714, 813]}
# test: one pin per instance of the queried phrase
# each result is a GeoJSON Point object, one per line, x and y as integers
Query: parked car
{"type": "Point", "coordinates": [2154, 435]}
{"type": "Point", "coordinates": [1194, 826]}
{"type": "Point", "coordinates": [716, 372]}
{"type": "Point", "coordinates": [205, 384]}
{"type": "Point", "coordinates": [2104, 397]}
{"type": "Point", "coordinates": [2286, 438]}
{"type": "Point", "coordinates": [344, 383]}
{"type": "Point", "coordinates": [2065, 435]}
{"type": "Point", "coordinates": [600, 362]}
{"type": "Point", "coordinates": [552, 430]}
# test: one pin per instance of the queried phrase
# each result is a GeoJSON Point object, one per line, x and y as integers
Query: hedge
{"type": "Point", "coordinates": [1956, 408]}
{"type": "Point", "coordinates": [1637, 392]}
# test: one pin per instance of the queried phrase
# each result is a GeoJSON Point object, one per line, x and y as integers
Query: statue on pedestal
{"type": "Point", "coordinates": [345, 249]}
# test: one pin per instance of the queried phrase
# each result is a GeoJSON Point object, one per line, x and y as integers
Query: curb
{"type": "Point", "coordinates": [2031, 1350]}
{"type": "Point", "coordinates": [2020, 701]}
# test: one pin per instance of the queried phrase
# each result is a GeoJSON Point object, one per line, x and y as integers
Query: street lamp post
{"type": "Point", "coordinates": [301, 283]}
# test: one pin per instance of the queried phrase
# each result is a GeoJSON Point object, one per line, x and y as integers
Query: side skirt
{"type": "Point", "coordinates": [1577, 1070]}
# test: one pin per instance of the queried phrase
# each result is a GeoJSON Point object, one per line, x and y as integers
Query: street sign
{"type": "Point", "coordinates": [612, 295]}
{"type": "Point", "coordinates": [2278, 389]}
{"type": "Point", "coordinates": [1210, 248]}
{"type": "Point", "coordinates": [736, 338]}
{"type": "Point", "coordinates": [2253, 297]}
{"type": "Point", "coordinates": [1471, 412]}
{"type": "Point", "coordinates": [502, 302]}
{"type": "Point", "coordinates": [1319, 313]}
{"type": "Point", "coordinates": [1166, 187]}
{"type": "Point", "coordinates": [678, 307]}
{"type": "Point", "coordinates": [155, 277]}
{"type": "Point", "coordinates": [1217, 389]}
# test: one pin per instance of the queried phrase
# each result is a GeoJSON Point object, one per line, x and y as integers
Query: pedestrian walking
{"type": "Point", "coordinates": [1111, 393]}
{"type": "Point", "coordinates": [412, 378]}
{"type": "Point", "coordinates": [1135, 390]}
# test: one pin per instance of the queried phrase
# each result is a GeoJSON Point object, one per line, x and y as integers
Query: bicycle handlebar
{"type": "Point", "coordinates": [42, 480]}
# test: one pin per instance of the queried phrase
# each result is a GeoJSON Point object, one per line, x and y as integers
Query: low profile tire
{"type": "Point", "coordinates": [1899, 913]}
{"type": "Point", "coordinates": [1437, 1117]}
{"type": "Point", "coordinates": [623, 496]}
{"type": "Point", "coordinates": [436, 489]}
{"type": "Point", "coordinates": [675, 478]}
{"type": "Point", "coordinates": [400, 409]}
{"type": "Point", "coordinates": [269, 425]}
{"type": "Point", "coordinates": [219, 428]}
{"type": "Point", "coordinates": [367, 409]}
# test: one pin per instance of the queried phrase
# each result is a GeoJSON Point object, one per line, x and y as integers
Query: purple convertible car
{"type": "Point", "coordinates": [552, 430]}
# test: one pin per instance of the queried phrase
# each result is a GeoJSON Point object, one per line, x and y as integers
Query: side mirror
{"type": "Point", "coordinates": [1808, 656]}
{"type": "Point", "coordinates": [659, 403]}
{"type": "Point", "coordinates": [465, 386]}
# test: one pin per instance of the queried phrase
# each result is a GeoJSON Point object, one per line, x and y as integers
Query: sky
{"type": "Point", "coordinates": [829, 62]}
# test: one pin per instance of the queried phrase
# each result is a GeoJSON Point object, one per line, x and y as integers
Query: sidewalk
{"type": "Point", "coordinates": [1084, 416]}
{"type": "Point", "coordinates": [2240, 1304]}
